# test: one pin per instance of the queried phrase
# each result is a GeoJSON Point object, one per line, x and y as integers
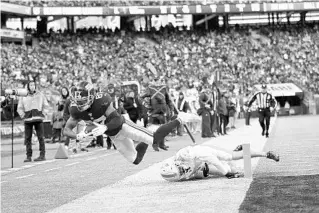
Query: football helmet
{"type": "Point", "coordinates": [83, 95]}
{"type": "Point", "coordinates": [170, 172]}
{"type": "Point", "coordinates": [175, 170]}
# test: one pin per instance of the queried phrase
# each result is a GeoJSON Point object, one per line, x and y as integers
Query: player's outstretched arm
{"type": "Point", "coordinates": [69, 126]}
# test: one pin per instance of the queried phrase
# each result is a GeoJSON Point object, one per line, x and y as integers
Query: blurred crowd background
{"type": "Point", "coordinates": [244, 56]}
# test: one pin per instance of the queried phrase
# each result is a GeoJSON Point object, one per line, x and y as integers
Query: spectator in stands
{"type": "Point", "coordinates": [33, 109]}
{"type": "Point", "coordinates": [64, 95]}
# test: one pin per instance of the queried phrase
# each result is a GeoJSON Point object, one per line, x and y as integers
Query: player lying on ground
{"type": "Point", "coordinates": [201, 161]}
{"type": "Point", "coordinates": [96, 108]}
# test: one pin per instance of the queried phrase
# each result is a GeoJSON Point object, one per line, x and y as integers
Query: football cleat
{"type": "Point", "coordinates": [267, 134]}
{"type": "Point", "coordinates": [141, 150]}
{"type": "Point", "coordinates": [155, 147]}
{"type": "Point", "coordinates": [231, 175]}
{"type": "Point", "coordinates": [238, 148]}
{"type": "Point", "coordinates": [273, 156]}
{"type": "Point", "coordinates": [206, 170]}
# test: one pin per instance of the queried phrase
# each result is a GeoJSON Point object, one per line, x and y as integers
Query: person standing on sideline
{"type": "Point", "coordinates": [57, 123]}
{"type": "Point", "coordinates": [265, 103]}
{"type": "Point", "coordinates": [215, 116]}
{"type": "Point", "coordinates": [206, 106]}
{"type": "Point", "coordinates": [182, 106]}
{"type": "Point", "coordinates": [246, 110]}
{"type": "Point", "coordinates": [222, 112]}
{"type": "Point", "coordinates": [33, 109]}
{"type": "Point", "coordinates": [232, 107]}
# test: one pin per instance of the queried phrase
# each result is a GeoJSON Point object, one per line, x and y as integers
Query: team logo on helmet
{"type": "Point", "coordinates": [83, 95]}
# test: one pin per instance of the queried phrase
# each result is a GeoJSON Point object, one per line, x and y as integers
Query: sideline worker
{"type": "Point", "coordinates": [32, 109]}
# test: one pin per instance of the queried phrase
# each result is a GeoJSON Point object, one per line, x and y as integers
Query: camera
{"type": "Point", "coordinates": [17, 92]}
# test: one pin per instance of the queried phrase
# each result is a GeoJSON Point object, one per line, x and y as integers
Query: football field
{"type": "Point", "coordinates": [103, 181]}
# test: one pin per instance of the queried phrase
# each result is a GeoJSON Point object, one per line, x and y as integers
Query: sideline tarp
{"type": "Point", "coordinates": [285, 89]}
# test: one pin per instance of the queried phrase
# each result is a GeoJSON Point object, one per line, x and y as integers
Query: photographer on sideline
{"type": "Point", "coordinates": [32, 109]}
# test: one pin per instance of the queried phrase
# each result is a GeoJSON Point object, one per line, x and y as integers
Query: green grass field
{"type": "Point", "coordinates": [283, 194]}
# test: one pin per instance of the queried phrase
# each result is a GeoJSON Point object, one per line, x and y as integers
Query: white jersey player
{"type": "Point", "coordinates": [200, 161]}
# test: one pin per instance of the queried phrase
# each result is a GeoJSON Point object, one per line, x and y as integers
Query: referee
{"type": "Point", "coordinates": [265, 101]}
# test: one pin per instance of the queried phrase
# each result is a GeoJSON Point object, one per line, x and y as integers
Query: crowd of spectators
{"type": "Point", "coordinates": [60, 59]}
{"type": "Point", "coordinates": [105, 3]}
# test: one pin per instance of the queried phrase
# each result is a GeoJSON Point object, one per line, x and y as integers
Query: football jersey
{"type": "Point", "coordinates": [195, 157]}
{"type": "Point", "coordinates": [97, 110]}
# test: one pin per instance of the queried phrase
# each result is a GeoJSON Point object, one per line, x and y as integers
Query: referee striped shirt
{"type": "Point", "coordinates": [263, 100]}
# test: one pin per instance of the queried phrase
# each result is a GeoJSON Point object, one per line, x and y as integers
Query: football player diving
{"type": "Point", "coordinates": [95, 108]}
{"type": "Point", "coordinates": [200, 161]}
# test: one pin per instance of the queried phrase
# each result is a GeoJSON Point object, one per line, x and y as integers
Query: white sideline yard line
{"type": "Point", "coordinates": [105, 155]}
{"type": "Point", "coordinates": [14, 169]}
{"type": "Point", "coordinates": [28, 166]}
{"type": "Point", "coordinates": [3, 172]}
{"type": "Point", "coordinates": [132, 194]}
{"type": "Point", "coordinates": [94, 158]}
{"type": "Point", "coordinates": [71, 164]}
{"type": "Point", "coordinates": [3, 182]}
{"type": "Point", "coordinates": [25, 176]}
{"type": "Point", "coordinates": [56, 168]}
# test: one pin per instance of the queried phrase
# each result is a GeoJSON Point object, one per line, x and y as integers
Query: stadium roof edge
{"type": "Point", "coordinates": [159, 10]}
{"type": "Point", "coordinates": [15, 9]}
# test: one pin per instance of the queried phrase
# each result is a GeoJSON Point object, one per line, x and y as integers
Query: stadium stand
{"type": "Point", "coordinates": [245, 55]}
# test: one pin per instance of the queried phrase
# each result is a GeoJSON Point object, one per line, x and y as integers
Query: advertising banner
{"type": "Point", "coordinates": [12, 34]}
{"type": "Point", "coordinates": [284, 89]}
{"type": "Point", "coordinates": [181, 9]}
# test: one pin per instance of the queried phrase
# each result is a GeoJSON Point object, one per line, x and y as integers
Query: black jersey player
{"type": "Point", "coordinates": [96, 107]}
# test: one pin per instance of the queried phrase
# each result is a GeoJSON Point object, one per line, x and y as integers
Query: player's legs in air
{"type": "Point", "coordinates": [130, 132]}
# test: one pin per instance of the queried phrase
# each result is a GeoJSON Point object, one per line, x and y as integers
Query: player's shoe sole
{"type": "Point", "coordinates": [141, 150]}
{"type": "Point", "coordinates": [273, 156]}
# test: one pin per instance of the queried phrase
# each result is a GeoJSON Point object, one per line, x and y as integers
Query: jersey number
{"type": "Point", "coordinates": [99, 95]}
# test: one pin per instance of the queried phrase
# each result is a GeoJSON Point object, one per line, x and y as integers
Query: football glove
{"type": "Point", "coordinates": [81, 135]}
{"type": "Point", "coordinates": [99, 130]}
